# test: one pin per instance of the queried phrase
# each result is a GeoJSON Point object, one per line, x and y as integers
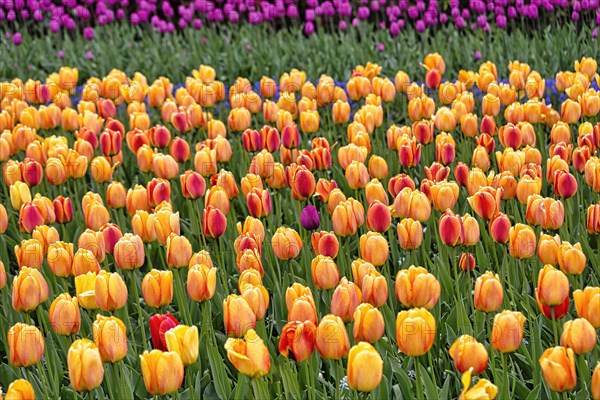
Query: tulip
{"type": "Point", "coordinates": [412, 204]}
{"type": "Point", "coordinates": [324, 272]}
{"type": "Point", "coordinates": [157, 288]}
{"type": "Point", "coordinates": [507, 331]}
{"type": "Point", "coordinates": [325, 243]}
{"type": "Point", "coordinates": [3, 219]}
{"type": "Point", "coordinates": [19, 194]}
{"type": "Point", "coordinates": [346, 297]}
{"type": "Point", "coordinates": [298, 340]}
{"type": "Point", "coordinates": [417, 288]}
{"type": "Point", "coordinates": [214, 222]}
{"type": "Point", "coordinates": [332, 339]}
{"type": "Point", "coordinates": [64, 315]}
{"type": "Point", "coordinates": [257, 297]}
{"type": "Point", "coordinates": [469, 355]}
{"type": "Point", "coordinates": [301, 307]}
{"type": "Point", "coordinates": [249, 355]}
{"type": "Point", "coordinates": [587, 305]}
{"type": "Point", "coordinates": [553, 286]}
{"type": "Point", "coordinates": [483, 390]}
{"type": "Point", "coordinates": [85, 287]}
{"type": "Point", "coordinates": [374, 248]}
{"type": "Point", "coordinates": [558, 369]}
{"type": "Point", "coordinates": [415, 331]}
{"type": "Point", "coordinates": [578, 335]}
{"type": "Point", "coordinates": [201, 282]}
{"type": "Point", "coordinates": [489, 293]}
{"type": "Point", "coordinates": [158, 190]}
{"type": "Point", "coordinates": [410, 234]}
{"type": "Point", "coordinates": [137, 199]}
{"type": "Point", "coordinates": [451, 228]}
{"type": "Point", "coordinates": [29, 254]}
{"type": "Point", "coordinates": [238, 316]}
{"type": "Point", "coordinates": [30, 216]}
{"type": "Point", "coordinates": [85, 365]}
{"type": "Point", "coordinates": [546, 212]}
{"type": "Point", "coordinates": [162, 371]}
{"type": "Point", "coordinates": [110, 291]}
{"type": "Point", "coordinates": [522, 241]}
{"type": "Point", "coordinates": [374, 288]}
{"type": "Point", "coordinates": [486, 202]}
{"type": "Point", "coordinates": [548, 249]}
{"type": "Point", "coordinates": [84, 261]}
{"type": "Point", "coordinates": [110, 338]}
{"type": "Point", "coordinates": [571, 258]}
{"type": "Point", "coordinates": [159, 325]}
{"type": "Point", "coordinates": [466, 262]}
{"type": "Point", "coordinates": [593, 219]}
{"type": "Point", "coordinates": [309, 218]}
{"type": "Point", "coordinates": [365, 367]}
{"type": "Point", "coordinates": [20, 389]}
{"type": "Point", "coordinates": [29, 290]}
{"type": "Point", "coordinates": [595, 386]}
{"type": "Point", "coordinates": [378, 216]}
{"type": "Point", "coordinates": [25, 345]}
{"type": "Point", "coordinates": [286, 243]}
{"type": "Point", "coordinates": [179, 251]}
{"type": "Point", "coordinates": [444, 195]}
{"type": "Point", "coordinates": [183, 340]}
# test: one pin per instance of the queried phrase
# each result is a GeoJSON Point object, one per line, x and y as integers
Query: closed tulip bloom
{"type": "Point", "coordinates": [415, 331]}
{"type": "Point", "coordinates": [593, 219]}
{"type": "Point", "coordinates": [84, 261]}
{"type": "Point", "coordinates": [357, 175]}
{"type": "Point", "coordinates": [571, 258]}
{"type": "Point", "coordinates": [486, 202]}
{"type": "Point", "coordinates": [483, 389]}
{"type": "Point", "coordinates": [30, 216]}
{"type": "Point", "coordinates": [25, 345]}
{"type": "Point", "coordinates": [410, 234]}
{"type": "Point", "coordinates": [415, 287]}
{"type": "Point", "coordinates": [286, 243]}
{"type": "Point", "coordinates": [499, 227]}
{"type": "Point", "coordinates": [29, 290]}
{"type": "Point", "coordinates": [19, 194]}
{"type": "Point", "coordinates": [193, 185]}
{"type": "Point", "coordinates": [302, 308]}
{"type": "Point", "coordinates": [137, 199]}
{"type": "Point", "coordinates": [238, 316]}
{"type": "Point", "coordinates": [20, 389]}
{"type": "Point", "coordinates": [565, 184]}
{"type": "Point", "coordinates": [64, 315]}
{"type": "Point", "coordinates": [409, 151]}
{"type": "Point", "coordinates": [110, 336]}
{"type": "Point", "coordinates": [558, 369]}
{"type": "Point", "coordinates": [30, 254]}
{"type": "Point", "coordinates": [179, 251]}
{"type": "Point", "coordinates": [85, 287]}
{"type": "Point", "coordinates": [570, 111]}
{"type": "Point", "coordinates": [548, 249]}
{"type": "Point", "coordinates": [587, 304]}
{"type": "Point", "coordinates": [451, 228]}
{"type": "Point", "coordinates": [466, 262]}
{"type": "Point", "coordinates": [412, 204]}
{"type": "Point", "coordinates": [522, 241]}
{"type": "Point", "coordinates": [162, 371]}
{"type": "Point", "coordinates": [116, 195]}
{"type": "Point", "coordinates": [298, 340]}
{"type": "Point", "coordinates": [201, 282]}
{"type": "Point", "coordinates": [365, 367]}
{"type": "Point", "coordinates": [347, 217]}
{"type": "Point", "coordinates": [249, 355]}
{"type": "Point", "coordinates": [369, 325]}
{"type": "Point", "coordinates": [158, 190]}
{"type": "Point", "coordinates": [129, 252]}
{"type": "Point", "coordinates": [378, 167]}
{"type": "Point", "coordinates": [545, 212]}
{"type": "Point", "coordinates": [332, 339]}
{"type": "Point", "coordinates": [166, 222]}
{"type": "Point", "coordinates": [184, 341]}
{"type": "Point", "coordinates": [3, 219]}
{"type": "Point", "coordinates": [374, 288]}
{"type": "Point", "coordinates": [214, 222]}
{"type": "Point", "coordinates": [3, 278]}
{"type": "Point", "coordinates": [257, 297]}
{"type": "Point", "coordinates": [325, 243]}
{"type": "Point", "coordinates": [259, 202]}
{"type": "Point", "coordinates": [346, 297]}
{"type": "Point", "coordinates": [110, 291]}
{"type": "Point", "coordinates": [468, 354]}
{"type": "Point", "coordinates": [595, 386]}
{"type": "Point", "coordinates": [157, 288]}
{"type": "Point", "coordinates": [579, 335]}
{"type": "Point", "coordinates": [378, 217]}
{"type": "Point", "coordinates": [553, 286]}
{"type": "Point", "coordinates": [325, 272]}
{"type": "Point", "coordinates": [374, 248]}
{"type": "Point", "coordinates": [94, 242]}
{"type": "Point", "coordinates": [507, 332]}
{"type": "Point", "coordinates": [444, 195]}
{"type": "Point", "coordinates": [159, 325]}
{"type": "Point", "coordinates": [489, 293]}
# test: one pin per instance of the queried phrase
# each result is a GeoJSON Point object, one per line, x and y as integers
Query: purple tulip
{"type": "Point", "coordinates": [477, 55]}
{"type": "Point", "coordinates": [309, 218]}
{"type": "Point", "coordinates": [380, 47]}
{"type": "Point", "coordinates": [88, 33]}
{"type": "Point", "coordinates": [17, 39]}
{"type": "Point", "coordinates": [595, 33]}
{"type": "Point", "coordinates": [61, 54]}
{"type": "Point", "coordinates": [89, 55]}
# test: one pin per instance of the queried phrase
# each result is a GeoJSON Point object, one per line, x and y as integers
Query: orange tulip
{"type": "Point", "coordinates": [468, 354]}
{"type": "Point", "coordinates": [579, 335]}
{"type": "Point", "coordinates": [410, 234]}
{"type": "Point", "coordinates": [332, 340]}
{"type": "Point", "coordinates": [365, 367]}
{"type": "Point", "coordinates": [249, 355]}
{"type": "Point", "coordinates": [558, 369]}
{"type": "Point", "coordinates": [346, 297]}
{"type": "Point", "coordinates": [489, 293]}
{"type": "Point", "coordinates": [110, 336]}
{"type": "Point", "coordinates": [415, 331]}
{"type": "Point", "coordinates": [507, 332]}
{"type": "Point", "coordinates": [298, 340]}
{"type": "Point", "coordinates": [201, 282]}
{"type": "Point", "coordinates": [64, 315]}
{"type": "Point", "coordinates": [25, 345]}
{"type": "Point", "coordinates": [29, 290]}
{"type": "Point", "coordinates": [522, 241]}
{"type": "Point", "coordinates": [238, 316]}
{"type": "Point", "coordinates": [374, 288]}
{"type": "Point", "coordinates": [415, 287]}
{"type": "Point", "coordinates": [162, 371]}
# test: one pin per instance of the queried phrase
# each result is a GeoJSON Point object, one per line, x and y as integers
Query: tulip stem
{"type": "Point", "coordinates": [505, 370]}
{"type": "Point", "coordinates": [136, 296]}
{"type": "Point", "coordinates": [554, 326]}
{"type": "Point", "coordinates": [418, 378]}
{"type": "Point", "coordinates": [181, 299]}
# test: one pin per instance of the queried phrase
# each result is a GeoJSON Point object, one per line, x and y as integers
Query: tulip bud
{"type": "Point", "coordinates": [365, 367]}
{"type": "Point", "coordinates": [374, 288]}
{"type": "Point", "coordinates": [374, 248]}
{"type": "Point", "coordinates": [507, 332]}
{"type": "Point", "coordinates": [297, 340]}
{"type": "Point", "coordinates": [85, 287]}
{"type": "Point", "coordinates": [64, 315]}
{"type": "Point", "coordinates": [488, 292]}
{"type": "Point", "coordinates": [25, 345]}
{"type": "Point", "coordinates": [30, 254]}
{"type": "Point", "coordinates": [468, 354]}
{"type": "Point", "coordinates": [499, 227]}
{"type": "Point", "coordinates": [595, 386]}
{"type": "Point", "coordinates": [466, 262]}
{"type": "Point", "coordinates": [129, 252]}
{"type": "Point", "coordinates": [162, 371]}
{"type": "Point", "coordinates": [157, 288]}
{"type": "Point", "coordinates": [238, 317]}
{"type": "Point", "coordinates": [415, 287]}
{"type": "Point", "coordinates": [415, 331]}
{"type": "Point", "coordinates": [345, 299]}
{"type": "Point", "coordinates": [558, 369]}
{"type": "Point", "coordinates": [579, 335]}
{"type": "Point", "coordinates": [249, 355]}
{"type": "Point", "coordinates": [20, 389]}
{"type": "Point", "coordinates": [110, 291]}
{"type": "Point", "coordinates": [110, 336]}
{"type": "Point", "coordinates": [571, 258]}
{"type": "Point", "coordinates": [183, 340]}
{"type": "Point", "coordinates": [179, 251]}
{"type": "Point", "coordinates": [553, 286]}
{"type": "Point", "coordinates": [522, 241]}
{"type": "Point", "coordinates": [286, 243]}
{"type": "Point", "coordinates": [332, 339]}
{"type": "Point", "coordinates": [29, 290]}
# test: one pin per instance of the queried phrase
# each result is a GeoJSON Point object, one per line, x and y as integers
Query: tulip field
{"type": "Point", "coordinates": [240, 228]}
